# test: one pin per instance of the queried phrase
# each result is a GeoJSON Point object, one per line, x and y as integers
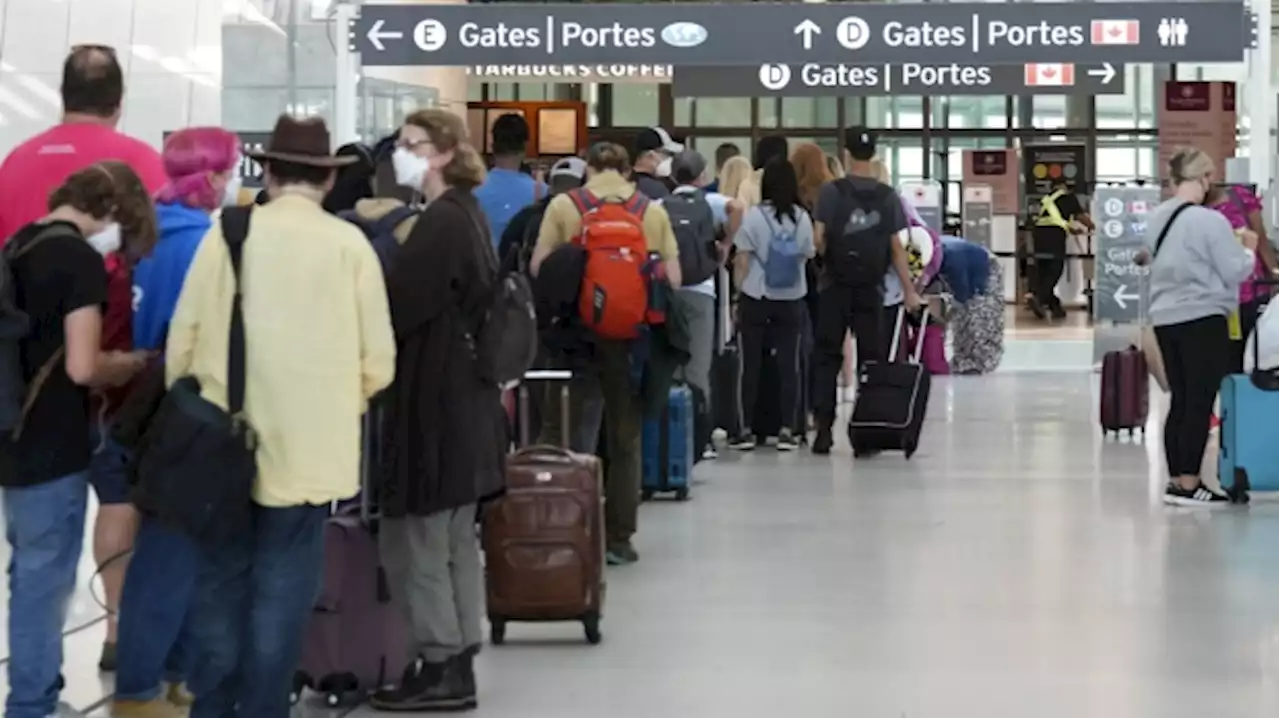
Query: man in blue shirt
{"type": "Point", "coordinates": [507, 189]}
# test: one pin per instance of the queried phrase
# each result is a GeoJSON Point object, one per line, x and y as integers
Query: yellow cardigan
{"type": "Point", "coordinates": [318, 344]}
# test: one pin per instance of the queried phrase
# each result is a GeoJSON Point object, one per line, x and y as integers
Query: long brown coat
{"type": "Point", "coordinates": [444, 429]}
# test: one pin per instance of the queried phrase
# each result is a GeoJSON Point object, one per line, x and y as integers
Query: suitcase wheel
{"type": "Point", "coordinates": [591, 627]}
{"type": "Point", "coordinates": [301, 682]}
{"type": "Point", "coordinates": [497, 631]}
{"type": "Point", "coordinates": [682, 493]}
{"type": "Point", "coordinates": [1239, 493]}
{"type": "Point", "coordinates": [333, 700]}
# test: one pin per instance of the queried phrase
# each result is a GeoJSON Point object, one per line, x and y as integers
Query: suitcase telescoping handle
{"type": "Point", "coordinates": [897, 333]}
{"type": "Point", "coordinates": [1262, 287]}
{"type": "Point", "coordinates": [561, 376]}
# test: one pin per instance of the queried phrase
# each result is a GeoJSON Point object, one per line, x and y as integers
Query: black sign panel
{"type": "Point", "coordinates": [1045, 165]}
{"type": "Point", "coordinates": [795, 34]}
{"type": "Point", "coordinates": [909, 78]}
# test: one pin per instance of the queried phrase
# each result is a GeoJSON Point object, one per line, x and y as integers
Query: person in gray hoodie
{"type": "Point", "coordinates": [1197, 264]}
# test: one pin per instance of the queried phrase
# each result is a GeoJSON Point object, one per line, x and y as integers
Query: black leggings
{"type": "Point", "coordinates": [771, 324]}
{"type": "Point", "coordinates": [1197, 355]}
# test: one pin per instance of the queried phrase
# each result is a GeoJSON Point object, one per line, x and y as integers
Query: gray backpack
{"type": "Point", "coordinates": [695, 228]}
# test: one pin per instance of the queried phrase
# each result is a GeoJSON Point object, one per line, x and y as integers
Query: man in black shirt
{"type": "Point", "coordinates": [1059, 210]}
{"type": "Point", "coordinates": [60, 283]}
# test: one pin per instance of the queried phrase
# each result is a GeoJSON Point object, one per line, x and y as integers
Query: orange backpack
{"type": "Point", "coordinates": [614, 299]}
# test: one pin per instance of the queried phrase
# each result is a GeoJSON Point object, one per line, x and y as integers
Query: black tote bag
{"type": "Point", "coordinates": [196, 462]}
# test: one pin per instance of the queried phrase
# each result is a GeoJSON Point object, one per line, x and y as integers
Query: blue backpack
{"type": "Point", "coordinates": [784, 263]}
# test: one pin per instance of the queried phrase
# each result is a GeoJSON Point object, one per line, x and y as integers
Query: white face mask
{"type": "Point", "coordinates": [411, 170]}
{"type": "Point", "coordinates": [106, 241]}
{"type": "Point", "coordinates": [664, 167]}
{"type": "Point", "coordinates": [231, 193]}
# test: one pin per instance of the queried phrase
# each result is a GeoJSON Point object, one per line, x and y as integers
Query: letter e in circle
{"type": "Point", "coordinates": [430, 35]}
{"type": "Point", "coordinates": [775, 77]}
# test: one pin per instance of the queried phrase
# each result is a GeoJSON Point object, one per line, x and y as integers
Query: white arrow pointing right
{"type": "Point", "coordinates": [807, 30]}
{"type": "Point", "coordinates": [1122, 298]}
{"type": "Point", "coordinates": [376, 35]}
{"type": "Point", "coordinates": [1106, 72]}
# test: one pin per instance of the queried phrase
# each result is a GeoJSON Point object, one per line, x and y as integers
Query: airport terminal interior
{"type": "Point", "coordinates": [1020, 564]}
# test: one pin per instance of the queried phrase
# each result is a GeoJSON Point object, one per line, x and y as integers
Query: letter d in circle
{"type": "Point", "coordinates": [775, 77]}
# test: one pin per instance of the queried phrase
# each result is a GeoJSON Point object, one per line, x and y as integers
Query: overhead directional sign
{"type": "Point", "coordinates": [816, 79]}
{"type": "Point", "coordinates": [1121, 215]}
{"type": "Point", "coordinates": [795, 34]}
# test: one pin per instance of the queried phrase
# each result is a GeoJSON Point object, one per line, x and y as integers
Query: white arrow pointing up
{"type": "Point", "coordinates": [1122, 298]}
{"type": "Point", "coordinates": [807, 30]}
{"type": "Point", "coordinates": [376, 35]}
{"type": "Point", "coordinates": [1106, 72]}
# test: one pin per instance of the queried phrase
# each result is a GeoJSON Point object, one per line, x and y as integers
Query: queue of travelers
{"type": "Point", "coordinates": [356, 280]}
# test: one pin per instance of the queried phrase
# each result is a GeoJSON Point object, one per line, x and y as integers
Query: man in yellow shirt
{"type": "Point", "coordinates": [319, 345]}
{"type": "Point", "coordinates": [609, 375]}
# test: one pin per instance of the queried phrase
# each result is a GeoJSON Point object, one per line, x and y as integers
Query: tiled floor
{"type": "Point", "coordinates": [1018, 566]}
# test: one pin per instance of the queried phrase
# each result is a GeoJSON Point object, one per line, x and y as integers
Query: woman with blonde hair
{"type": "Point", "coordinates": [1197, 265]}
{"type": "Point", "coordinates": [737, 181]}
{"type": "Point", "coordinates": [443, 424]}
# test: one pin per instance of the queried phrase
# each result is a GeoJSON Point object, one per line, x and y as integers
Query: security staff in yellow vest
{"type": "Point", "coordinates": [1058, 212]}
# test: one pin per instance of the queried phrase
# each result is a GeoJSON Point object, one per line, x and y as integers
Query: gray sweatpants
{"type": "Point", "coordinates": [434, 574]}
{"type": "Point", "coordinates": [700, 313]}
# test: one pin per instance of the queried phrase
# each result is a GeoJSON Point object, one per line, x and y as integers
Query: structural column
{"type": "Point", "coordinates": [1260, 101]}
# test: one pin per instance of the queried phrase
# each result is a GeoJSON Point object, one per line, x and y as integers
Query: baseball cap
{"type": "Point", "coordinates": [656, 138]}
{"type": "Point", "coordinates": [688, 166]}
{"type": "Point", "coordinates": [860, 143]}
{"type": "Point", "coordinates": [569, 167]}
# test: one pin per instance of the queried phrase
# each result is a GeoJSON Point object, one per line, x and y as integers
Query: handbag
{"type": "Point", "coordinates": [196, 463]}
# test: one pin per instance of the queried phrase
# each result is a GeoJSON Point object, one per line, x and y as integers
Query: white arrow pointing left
{"type": "Point", "coordinates": [1106, 72]}
{"type": "Point", "coordinates": [1122, 298]}
{"type": "Point", "coordinates": [376, 35]}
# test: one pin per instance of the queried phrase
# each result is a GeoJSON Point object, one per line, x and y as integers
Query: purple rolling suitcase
{"type": "Point", "coordinates": [357, 640]}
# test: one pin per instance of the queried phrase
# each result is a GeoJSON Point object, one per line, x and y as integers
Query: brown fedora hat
{"type": "Point", "coordinates": [301, 141]}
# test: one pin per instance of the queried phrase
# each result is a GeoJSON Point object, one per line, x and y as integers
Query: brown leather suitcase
{"type": "Point", "coordinates": [544, 539]}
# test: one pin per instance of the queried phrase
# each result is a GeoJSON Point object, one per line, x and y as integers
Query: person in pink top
{"type": "Point", "coordinates": [92, 98]}
{"type": "Point", "coordinates": [1243, 210]}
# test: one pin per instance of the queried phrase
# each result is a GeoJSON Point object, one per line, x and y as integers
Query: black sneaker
{"type": "Point", "coordinates": [746, 441]}
{"type": "Point", "coordinates": [786, 441]}
{"type": "Point", "coordinates": [822, 441]}
{"type": "Point", "coordinates": [432, 687]}
{"type": "Point", "coordinates": [1175, 495]}
{"type": "Point", "coordinates": [621, 554]}
{"type": "Point", "coordinates": [1037, 308]}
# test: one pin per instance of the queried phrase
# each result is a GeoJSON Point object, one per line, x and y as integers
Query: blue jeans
{"type": "Point", "coordinates": [45, 528]}
{"type": "Point", "coordinates": [158, 588]}
{"type": "Point", "coordinates": [253, 599]}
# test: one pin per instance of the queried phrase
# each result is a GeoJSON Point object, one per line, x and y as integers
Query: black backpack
{"type": "Point", "coordinates": [17, 396]}
{"type": "Point", "coordinates": [695, 229]}
{"type": "Point", "coordinates": [860, 250]}
{"type": "Point", "coordinates": [506, 342]}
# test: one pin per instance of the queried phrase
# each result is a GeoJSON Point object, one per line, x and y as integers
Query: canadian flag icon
{"type": "Point", "coordinates": [1050, 74]}
{"type": "Point", "coordinates": [1114, 32]}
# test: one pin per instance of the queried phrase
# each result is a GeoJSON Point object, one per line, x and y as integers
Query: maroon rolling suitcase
{"type": "Point", "coordinates": [357, 639]}
{"type": "Point", "coordinates": [1124, 398]}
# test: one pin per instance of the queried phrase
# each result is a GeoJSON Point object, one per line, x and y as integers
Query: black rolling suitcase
{"type": "Point", "coordinates": [892, 400]}
{"type": "Point", "coordinates": [726, 365]}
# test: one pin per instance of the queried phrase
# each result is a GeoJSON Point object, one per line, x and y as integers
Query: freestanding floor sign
{"type": "Point", "coordinates": [1120, 284]}
{"type": "Point", "coordinates": [926, 197]}
{"type": "Point", "coordinates": [977, 209]}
